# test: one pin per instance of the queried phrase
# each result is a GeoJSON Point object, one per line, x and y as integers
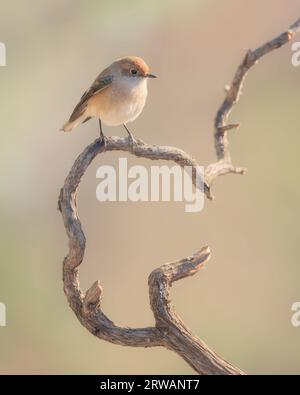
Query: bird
{"type": "Point", "coordinates": [116, 97]}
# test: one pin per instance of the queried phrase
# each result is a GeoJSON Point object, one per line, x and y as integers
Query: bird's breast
{"type": "Point", "coordinates": [120, 103]}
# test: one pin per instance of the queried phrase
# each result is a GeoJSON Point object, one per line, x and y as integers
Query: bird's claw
{"type": "Point", "coordinates": [104, 141]}
{"type": "Point", "coordinates": [132, 141]}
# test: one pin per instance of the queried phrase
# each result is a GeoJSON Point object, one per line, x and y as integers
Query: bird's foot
{"type": "Point", "coordinates": [132, 141]}
{"type": "Point", "coordinates": [104, 141]}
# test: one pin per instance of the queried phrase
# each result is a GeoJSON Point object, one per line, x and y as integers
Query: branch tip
{"type": "Point", "coordinates": [240, 170]}
{"type": "Point", "coordinates": [202, 255]}
{"type": "Point", "coordinates": [225, 128]}
{"type": "Point", "coordinates": [227, 88]}
{"type": "Point", "coordinates": [210, 195]}
{"type": "Point", "coordinates": [188, 266]}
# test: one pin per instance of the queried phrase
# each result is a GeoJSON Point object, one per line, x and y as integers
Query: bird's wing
{"type": "Point", "coordinates": [100, 83]}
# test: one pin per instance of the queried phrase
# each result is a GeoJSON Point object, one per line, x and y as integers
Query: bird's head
{"type": "Point", "coordinates": [134, 67]}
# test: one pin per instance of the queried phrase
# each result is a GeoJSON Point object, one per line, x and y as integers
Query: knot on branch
{"type": "Point", "coordinates": [92, 297]}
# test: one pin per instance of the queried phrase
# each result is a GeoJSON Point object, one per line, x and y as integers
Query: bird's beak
{"type": "Point", "coordinates": [150, 76]}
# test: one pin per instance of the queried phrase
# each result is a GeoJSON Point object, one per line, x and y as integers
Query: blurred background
{"type": "Point", "coordinates": [240, 305]}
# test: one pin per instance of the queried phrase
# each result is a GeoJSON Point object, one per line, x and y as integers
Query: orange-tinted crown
{"type": "Point", "coordinates": [133, 63]}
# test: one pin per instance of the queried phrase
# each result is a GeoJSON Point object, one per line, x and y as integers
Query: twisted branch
{"type": "Point", "coordinates": [169, 330]}
{"type": "Point", "coordinates": [233, 93]}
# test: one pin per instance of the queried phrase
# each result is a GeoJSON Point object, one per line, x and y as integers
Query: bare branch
{"type": "Point", "coordinates": [169, 330]}
{"type": "Point", "coordinates": [87, 307]}
{"type": "Point", "coordinates": [233, 93]}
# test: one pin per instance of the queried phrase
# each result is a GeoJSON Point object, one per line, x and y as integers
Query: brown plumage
{"type": "Point", "coordinates": [116, 96]}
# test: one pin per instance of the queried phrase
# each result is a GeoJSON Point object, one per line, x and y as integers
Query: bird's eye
{"type": "Point", "coordinates": [133, 71]}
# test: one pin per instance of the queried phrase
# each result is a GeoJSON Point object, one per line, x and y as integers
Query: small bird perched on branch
{"type": "Point", "coordinates": [116, 97]}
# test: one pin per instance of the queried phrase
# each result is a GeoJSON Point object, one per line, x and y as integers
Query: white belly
{"type": "Point", "coordinates": [126, 103]}
{"type": "Point", "coordinates": [123, 113]}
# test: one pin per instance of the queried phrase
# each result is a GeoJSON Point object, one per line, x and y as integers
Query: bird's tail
{"type": "Point", "coordinates": [67, 127]}
{"type": "Point", "coordinates": [70, 125]}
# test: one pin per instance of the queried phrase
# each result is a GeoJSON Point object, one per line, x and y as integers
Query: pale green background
{"type": "Point", "coordinates": [241, 304]}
